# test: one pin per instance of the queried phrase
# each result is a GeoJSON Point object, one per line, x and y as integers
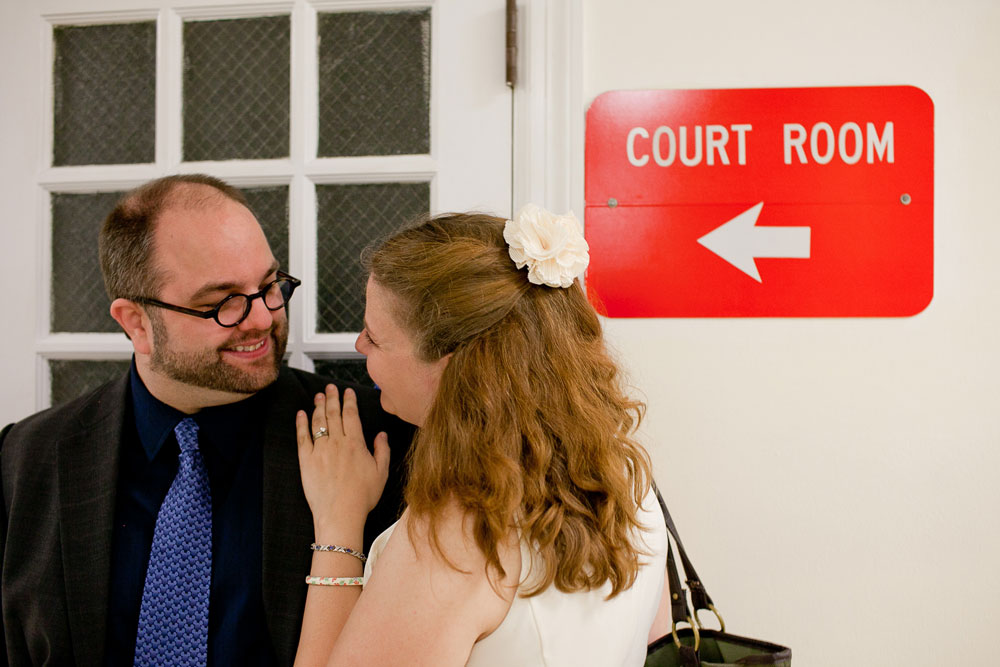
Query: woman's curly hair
{"type": "Point", "coordinates": [531, 426]}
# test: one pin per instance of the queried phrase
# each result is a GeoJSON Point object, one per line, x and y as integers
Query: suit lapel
{"type": "Point", "coordinates": [287, 522]}
{"type": "Point", "coordinates": [88, 468]}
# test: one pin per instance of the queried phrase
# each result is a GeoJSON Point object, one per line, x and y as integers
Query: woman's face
{"type": "Point", "coordinates": [408, 383]}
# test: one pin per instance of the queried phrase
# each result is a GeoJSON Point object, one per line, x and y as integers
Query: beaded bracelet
{"type": "Point", "coordinates": [336, 547]}
{"type": "Point", "coordinates": [335, 581]}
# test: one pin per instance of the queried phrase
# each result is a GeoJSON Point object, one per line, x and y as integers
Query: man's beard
{"type": "Point", "coordinates": [209, 370]}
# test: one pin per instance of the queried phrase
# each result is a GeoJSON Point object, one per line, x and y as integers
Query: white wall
{"type": "Point", "coordinates": [20, 79]}
{"type": "Point", "coordinates": [835, 479]}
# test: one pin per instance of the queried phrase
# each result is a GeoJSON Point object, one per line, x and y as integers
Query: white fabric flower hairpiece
{"type": "Point", "coordinates": [551, 246]}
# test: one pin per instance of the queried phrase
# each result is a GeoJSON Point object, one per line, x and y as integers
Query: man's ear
{"type": "Point", "coordinates": [134, 322]}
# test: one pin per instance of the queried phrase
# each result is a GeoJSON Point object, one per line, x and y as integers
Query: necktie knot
{"type": "Point", "coordinates": [187, 435]}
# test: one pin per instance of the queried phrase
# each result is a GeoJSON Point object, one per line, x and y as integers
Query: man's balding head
{"type": "Point", "coordinates": [126, 243]}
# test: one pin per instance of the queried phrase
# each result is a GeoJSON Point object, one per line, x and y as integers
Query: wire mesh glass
{"type": "Point", "coordinates": [79, 302]}
{"type": "Point", "coordinates": [347, 370]}
{"type": "Point", "coordinates": [236, 88]}
{"type": "Point", "coordinates": [348, 218]}
{"type": "Point", "coordinates": [104, 94]}
{"type": "Point", "coordinates": [270, 206]}
{"type": "Point", "coordinates": [76, 377]}
{"type": "Point", "coordinates": [374, 83]}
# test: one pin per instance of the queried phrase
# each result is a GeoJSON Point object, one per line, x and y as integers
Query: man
{"type": "Point", "coordinates": [92, 488]}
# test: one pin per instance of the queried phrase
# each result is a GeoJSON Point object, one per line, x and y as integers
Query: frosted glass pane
{"type": "Point", "coordinates": [270, 205]}
{"type": "Point", "coordinates": [104, 88]}
{"type": "Point", "coordinates": [374, 83]}
{"type": "Point", "coordinates": [349, 217]}
{"type": "Point", "coordinates": [72, 378]}
{"type": "Point", "coordinates": [236, 88]}
{"type": "Point", "coordinates": [79, 302]}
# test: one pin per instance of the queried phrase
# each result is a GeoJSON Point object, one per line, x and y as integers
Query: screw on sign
{"type": "Point", "coordinates": [794, 202]}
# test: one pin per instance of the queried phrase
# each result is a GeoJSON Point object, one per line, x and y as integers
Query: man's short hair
{"type": "Point", "coordinates": [126, 243]}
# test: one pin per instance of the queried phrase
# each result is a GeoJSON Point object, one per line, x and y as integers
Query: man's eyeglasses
{"type": "Point", "coordinates": [235, 308]}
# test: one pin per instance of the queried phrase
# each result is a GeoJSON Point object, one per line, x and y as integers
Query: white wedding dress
{"type": "Point", "coordinates": [574, 629]}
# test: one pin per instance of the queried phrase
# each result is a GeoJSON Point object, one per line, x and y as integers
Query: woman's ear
{"type": "Point", "coordinates": [134, 322]}
{"type": "Point", "coordinates": [443, 361]}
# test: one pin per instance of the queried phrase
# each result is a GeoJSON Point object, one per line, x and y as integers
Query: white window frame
{"type": "Point", "coordinates": [300, 172]}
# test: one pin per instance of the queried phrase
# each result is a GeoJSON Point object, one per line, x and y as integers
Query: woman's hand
{"type": "Point", "coordinates": [341, 479]}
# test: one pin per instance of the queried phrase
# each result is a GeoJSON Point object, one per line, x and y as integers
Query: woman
{"type": "Point", "coordinates": [530, 536]}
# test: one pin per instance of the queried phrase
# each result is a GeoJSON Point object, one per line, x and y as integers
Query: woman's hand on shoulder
{"type": "Point", "coordinates": [415, 593]}
{"type": "Point", "coordinates": [342, 480]}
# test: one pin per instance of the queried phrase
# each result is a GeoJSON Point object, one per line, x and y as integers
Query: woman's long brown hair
{"type": "Point", "coordinates": [531, 427]}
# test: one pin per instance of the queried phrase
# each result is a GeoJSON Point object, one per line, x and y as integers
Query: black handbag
{"type": "Point", "coordinates": [695, 645]}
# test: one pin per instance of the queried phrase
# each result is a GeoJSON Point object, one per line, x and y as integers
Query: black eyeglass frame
{"type": "Point", "coordinates": [214, 312]}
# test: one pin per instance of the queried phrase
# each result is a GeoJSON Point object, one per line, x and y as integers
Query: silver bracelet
{"type": "Point", "coordinates": [339, 549]}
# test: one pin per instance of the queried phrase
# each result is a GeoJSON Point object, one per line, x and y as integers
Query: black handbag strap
{"type": "Point", "coordinates": [700, 599]}
{"type": "Point", "coordinates": [678, 598]}
{"type": "Point", "coordinates": [687, 652]}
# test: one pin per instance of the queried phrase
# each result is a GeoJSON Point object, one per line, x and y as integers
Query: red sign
{"type": "Point", "coordinates": [797, 202]}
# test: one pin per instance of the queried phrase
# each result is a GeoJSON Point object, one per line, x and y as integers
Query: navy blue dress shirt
{"type": "Point", "coordinates": [231, 441]}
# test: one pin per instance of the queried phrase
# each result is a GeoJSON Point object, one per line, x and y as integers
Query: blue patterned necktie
{"type": "Point", "coordinates": [173, 618]}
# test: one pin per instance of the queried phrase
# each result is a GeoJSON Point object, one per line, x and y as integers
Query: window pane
{"type": "Point", "coordinates": [349, 217]}
{"type": "Point", "coordinates": [347, 370]}
{"type": "Point", "coordinates": [79, 302]}
{"type": "Point", "coordinates": [236, 88]}
{"type": "Point", "coordinates": [374, 83]}
{"type": "Point", "coordinates": [104, 80]}
{"type": "Point", "coordinates": [75, 378]}
{"type": "Point", "coordinates": [270, 205]}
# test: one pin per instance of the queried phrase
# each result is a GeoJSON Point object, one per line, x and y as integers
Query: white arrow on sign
{"type": "Point", "coordinates": [740, 240]}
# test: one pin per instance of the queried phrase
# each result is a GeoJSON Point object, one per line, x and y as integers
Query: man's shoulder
{"type": "Point", "coordinates": [86, 411]}
{"type": "Point", "coordinates": [313, 383]}
{"type": "Point", "coordinates": [294, 380]}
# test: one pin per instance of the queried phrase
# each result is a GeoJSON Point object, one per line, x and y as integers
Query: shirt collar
{"type": "Point", "coordinates": [154, 419]}
{"type": "Point", "coordinates": [223, 426]}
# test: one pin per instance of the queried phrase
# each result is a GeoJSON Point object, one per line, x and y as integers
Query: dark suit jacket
{"type": "Point", "coordinates": [59, 477]}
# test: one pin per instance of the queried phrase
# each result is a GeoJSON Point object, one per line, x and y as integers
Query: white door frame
{"type": "Point", "coordinates": [548, 112]}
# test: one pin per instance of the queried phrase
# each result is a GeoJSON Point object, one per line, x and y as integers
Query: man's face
{"type": "Point", "coordinates": [206, 253]}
